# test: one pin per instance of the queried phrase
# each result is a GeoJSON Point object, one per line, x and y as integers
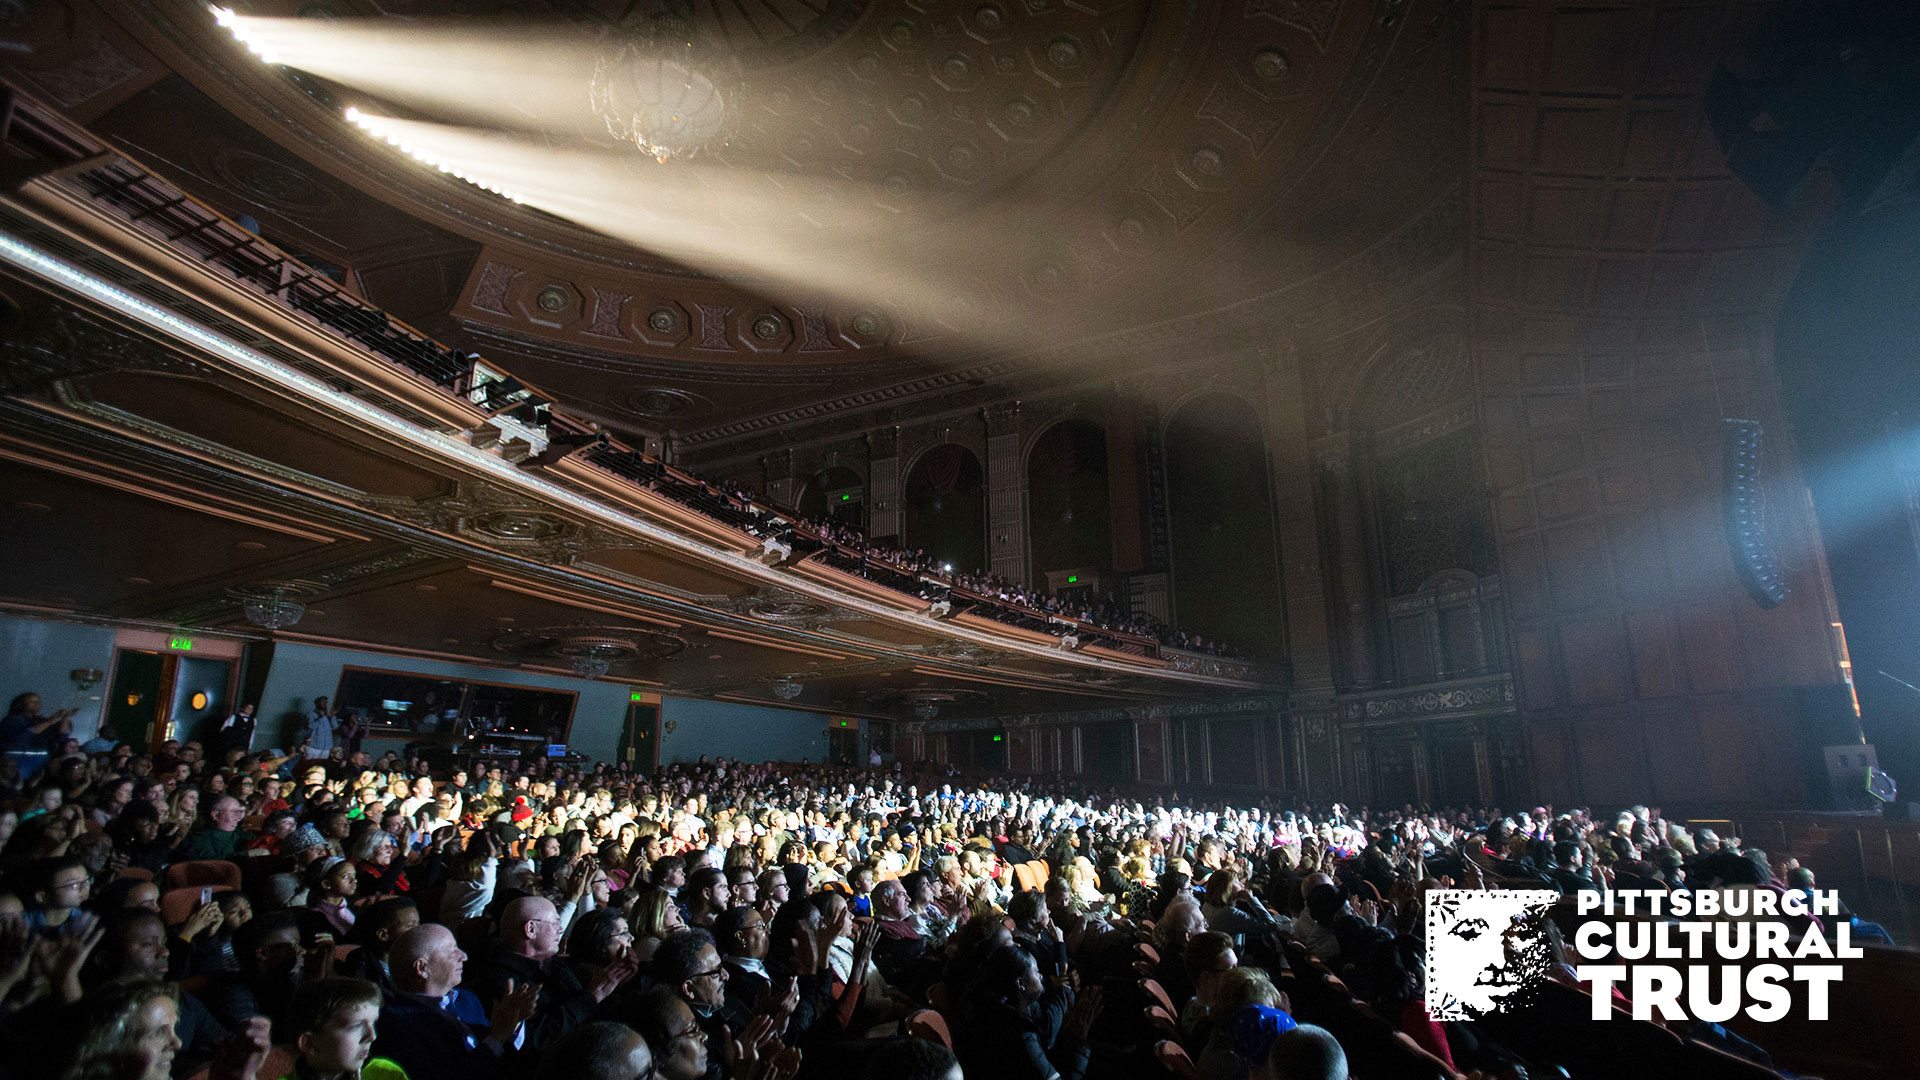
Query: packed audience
{"type": "Point", "coordinates": [244, 915]}
{"type": "Point", "coordinates": [922, 574]}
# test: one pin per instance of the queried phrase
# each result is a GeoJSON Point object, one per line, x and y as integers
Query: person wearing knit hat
{"type": "Point", "coordinates": [1252, 1028]}
{"type": "Point", "coordinates": [303, 843]}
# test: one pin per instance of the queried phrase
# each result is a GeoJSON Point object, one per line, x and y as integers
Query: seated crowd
{"type": "Point", "coordinates": [256, 915]}
{"type": "Point", "coordinates": [782, 527]}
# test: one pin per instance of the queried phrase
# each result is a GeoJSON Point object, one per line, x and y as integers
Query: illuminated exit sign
{"type": "Point", "coordinates": [180, 643]}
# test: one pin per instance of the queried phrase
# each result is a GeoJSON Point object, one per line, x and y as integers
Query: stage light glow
{"type": "Point", "coordinates": [516, 75]}
{"type": "Point", "coordinates": [1055, 281]}
{"type": "Point", "coordinates": [383, 128]}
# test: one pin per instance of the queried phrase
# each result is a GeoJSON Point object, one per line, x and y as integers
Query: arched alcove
{"type": "Point", "coordinates": [1067, 509]}
{"type": "Point", "coordinates": [1226, 578]}
{"type": "Point", "coordinates": [835, 492]}
{"type": "Point", "coordinates": [946, 507]}
{"type": "Point", "coordinates": [1422, 491]}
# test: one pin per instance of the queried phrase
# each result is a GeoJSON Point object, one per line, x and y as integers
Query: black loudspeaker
{"type": "Point", "coordinates": [1826, 719]}
{"type": "Point", "coordinates": [1753, 559]}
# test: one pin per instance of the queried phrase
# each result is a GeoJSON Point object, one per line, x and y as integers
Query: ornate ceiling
{"type": "Point", "coordinates": [1207, 169]}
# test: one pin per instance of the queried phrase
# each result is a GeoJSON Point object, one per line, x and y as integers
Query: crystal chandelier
{"type": "Point", "coordinates": [787, 689]}
{"type": "Point", "coordinates": [592, 662]}
{"type": "Point", "coordinates": [650, 90]}
{"type": "Point", "coordinates": [272, 610]}
{"type": "Point", "coordinates": [926, 710]}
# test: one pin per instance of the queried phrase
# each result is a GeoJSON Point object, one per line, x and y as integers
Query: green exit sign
{"type": "Point", "coordinates": [636, 695]}
{"type": "Point", "coordinates": [180, 643]}
{"type": "Point", "coordinates": [1071, 578]}
{"type": "Point", "coordinates": [999, 738]}
{"type": "Point", "coordinates": [846, 498]}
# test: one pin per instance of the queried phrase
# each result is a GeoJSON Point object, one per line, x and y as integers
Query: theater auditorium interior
{"type": "Point", "coordinates": [910, 539]}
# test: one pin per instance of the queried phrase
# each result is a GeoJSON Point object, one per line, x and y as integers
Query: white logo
{"type": "Point", "coordinates": [1486, 951]}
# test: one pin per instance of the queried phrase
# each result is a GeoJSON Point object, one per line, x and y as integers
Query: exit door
{"type": "Point", "coordinates": [159, 696]}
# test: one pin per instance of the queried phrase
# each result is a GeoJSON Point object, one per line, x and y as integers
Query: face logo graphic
{"type": "Point", "coordinates": [1486, 951]}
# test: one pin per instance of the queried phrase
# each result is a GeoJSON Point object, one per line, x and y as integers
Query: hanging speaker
{"type": "Point", "coordinates": [1746, 526]}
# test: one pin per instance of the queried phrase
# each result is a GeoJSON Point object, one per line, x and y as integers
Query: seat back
{"type": "Point", "coordinates": [1023, 877]}
{"type": "Point", "coordinates": [1160, 1021]}
{"type": "Point", "coordinates": [1158, 993]}
{"type": "Point", "coordinates": [1175, 1060]}
{"type": "Point", "coordinates": [940, 998]}
{"type": "Point", "coordinates": [177, 904]}
{"type": "Point", "coordinates": [199, 872]}
{"type": "Point", "coordinates": [931, 1026]}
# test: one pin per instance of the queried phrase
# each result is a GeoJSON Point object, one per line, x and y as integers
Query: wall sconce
{"type": "Point", "coordinates": [199, 700]}
{"type": "Point", "coordinates": [668, 726]}
{"type": "Point", "coordinates": [86, 678]}
{"type": "Point", "coordinates": [133, 698]}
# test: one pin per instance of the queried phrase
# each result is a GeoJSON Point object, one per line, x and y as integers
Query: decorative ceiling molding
{"type": "Point", "coordinates": [50, 343]}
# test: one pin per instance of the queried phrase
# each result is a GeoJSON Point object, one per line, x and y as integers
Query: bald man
{"type": "Point", "coordinates": [433, 1029]}
{"type": "Point", "coordinates": [525, 953]}
{"type": "Point", "coordinates": [598, 1051]}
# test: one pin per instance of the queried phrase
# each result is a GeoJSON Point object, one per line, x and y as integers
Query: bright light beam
{"type": "Point", "coordinates": [786, 231]}
{"type": "Point", "coordinates": [517, 75]}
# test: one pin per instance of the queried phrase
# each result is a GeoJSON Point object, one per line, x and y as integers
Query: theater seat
{"type": "Point", "coordinates": [177, 904]}
{"type": "Point", "coordinates": [929, 1025]}
{"type": "Point", "coordinates": [1159, 994]}
{"type": "Point", "coordinates": [1160, 1021]}
{"type": "Point", "coordinates": [940, 998]}
{"type": "Point", "coordinates": [203, 872]}
{"type": "Point", "coordinates": [1175, 1060]}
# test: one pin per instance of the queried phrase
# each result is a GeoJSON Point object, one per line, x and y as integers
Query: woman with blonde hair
{"type": "Point", "coordinates": [183, 809]}
{"type": "Point", "coordinates": [651, 918]}
{"type": "Point", "coordinates": [1083, 885]}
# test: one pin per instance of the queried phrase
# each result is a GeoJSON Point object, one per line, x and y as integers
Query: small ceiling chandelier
{"type": "Point", "coordinates": [787, 689]}
{"type": "Point", "coordinates": [272, 610]}
{"type": "Point", "coordinates": [926, 710]}
{"type": "Point", "coordinates": [651, 88]}
{"type": "Point", "coordinates": [592, 661]}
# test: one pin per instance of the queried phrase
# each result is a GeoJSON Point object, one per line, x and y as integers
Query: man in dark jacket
{"type": "Point", "coordinates": [435, 1030]}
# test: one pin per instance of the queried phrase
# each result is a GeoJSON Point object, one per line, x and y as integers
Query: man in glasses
{"type": "Point", "coordinates": [688, 962]}
{"type": "Point", "coordinates": [666, 1022]}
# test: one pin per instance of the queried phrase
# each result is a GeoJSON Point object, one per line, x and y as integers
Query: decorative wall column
{"type": "Point", "coordinates": [1006, 493]}
{"type": "Point", "coordinates": [883, 483]}
{"type": "Point", "coordinates": [781, 486]}
{"type": "Point", "coordinates": [1296, 526]}
{"type": "Point", "coordinates": [1352, 602]}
